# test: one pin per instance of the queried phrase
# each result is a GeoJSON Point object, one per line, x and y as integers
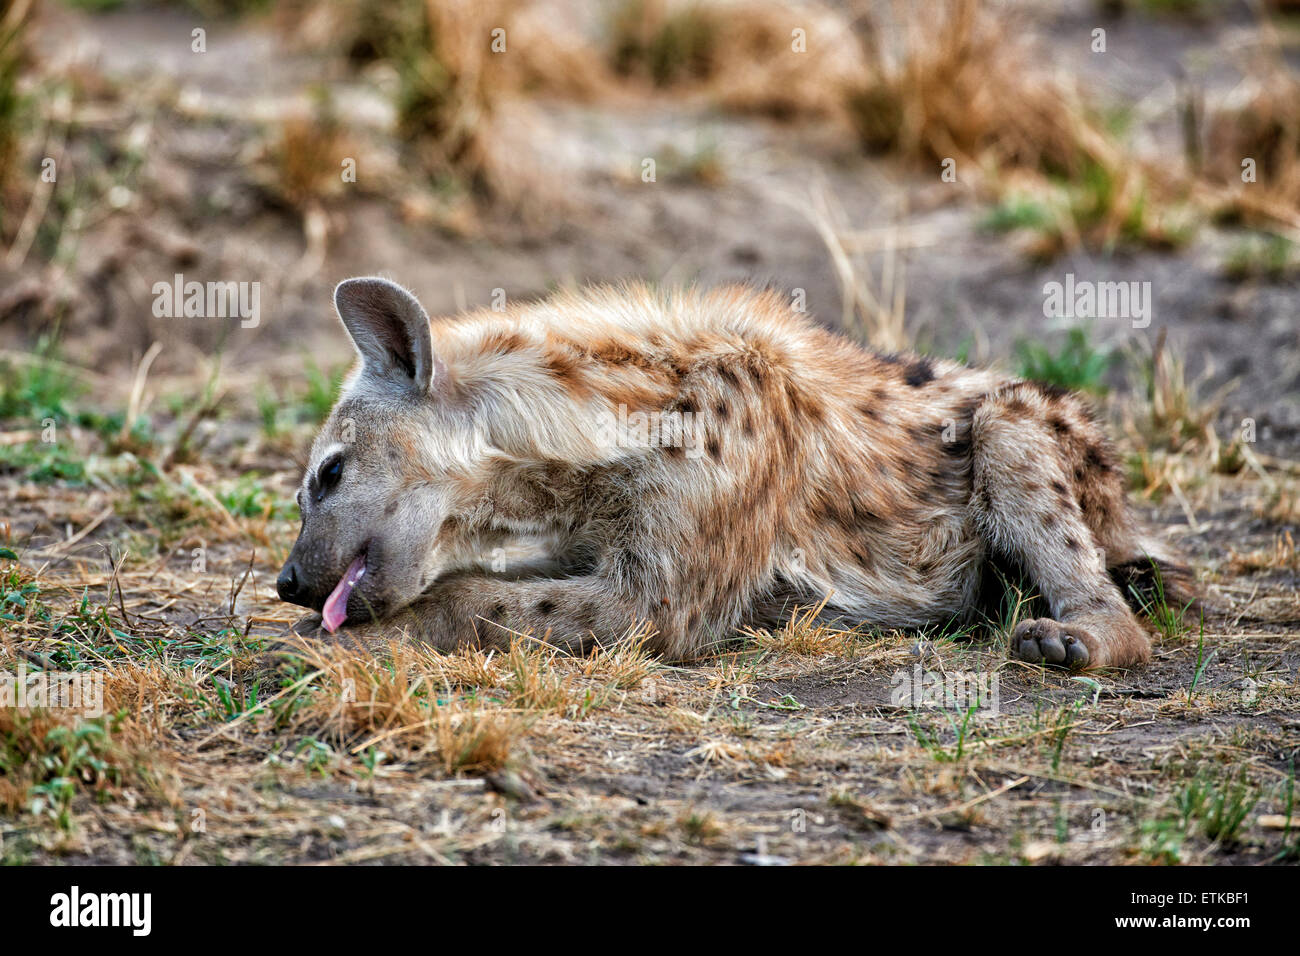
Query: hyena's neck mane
{"type": "Point", "coordinates": [544, 381]}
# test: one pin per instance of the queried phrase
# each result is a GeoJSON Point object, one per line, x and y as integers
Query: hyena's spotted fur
{"type": "Point", "coordinates": [885, 483]}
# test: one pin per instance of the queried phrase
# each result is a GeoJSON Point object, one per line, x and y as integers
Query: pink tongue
{"type": "Point", "coordinates": [336, 605]}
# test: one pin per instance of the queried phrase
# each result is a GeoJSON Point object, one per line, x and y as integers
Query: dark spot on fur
{"type": "Point", "coordinates": [714, 447]}
{"type": "Point", "coordinates": [869, 412]}
{"type": "Point", "coordinates": [721, 410]}
{"type": "Point", "coordinates": [1072, 544]}
{"type": "Point", "coordinates": [390, 508]}
{"type": "Point", "coordinates": [1058, 487]}
{"type": "Point", "coordinates": [545, 607]}
{"type": "Point", "coordinates": [920, 372]}
{"type": "Point", "coordinates": [615, 353]}
{"type": "Point", "coordinates": [1095, 456]}
{"type": "Point", "coordinates": [1059, 425]}
{"type": "Point", "coordinates": [851, 515]}
{"type": "Point", "coordinates": [563, 367]}
{"type": "Point", "coordinates": [782, 425]}
{"type": "Point", "coordinates": [728, 376]}
{"type": "Point", "coordinates": [803, 404]}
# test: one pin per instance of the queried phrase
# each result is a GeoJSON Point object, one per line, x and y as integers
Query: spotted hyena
{"type": "Point", "coordinates": [699, 461]}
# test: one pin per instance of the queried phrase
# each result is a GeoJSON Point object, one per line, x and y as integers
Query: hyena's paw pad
{"type": "Point", "coordinates": [1044, 641]}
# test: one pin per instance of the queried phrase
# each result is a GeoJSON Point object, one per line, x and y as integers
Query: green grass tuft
{"type": "Point", "coordinates": [1078, 364]}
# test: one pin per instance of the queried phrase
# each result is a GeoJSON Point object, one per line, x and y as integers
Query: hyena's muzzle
{"type": "Point", "coordinates": [318, 579]}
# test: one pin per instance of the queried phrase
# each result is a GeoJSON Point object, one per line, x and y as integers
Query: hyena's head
{"type": "Point", "coordinates": [394, 462]}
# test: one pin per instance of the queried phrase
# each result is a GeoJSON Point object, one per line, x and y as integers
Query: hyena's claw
{"type": "Point", "coordinates": [1044, 641]}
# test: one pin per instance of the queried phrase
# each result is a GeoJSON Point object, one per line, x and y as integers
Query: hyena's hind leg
{"type": "Point", "coordinates": [1030, 494]}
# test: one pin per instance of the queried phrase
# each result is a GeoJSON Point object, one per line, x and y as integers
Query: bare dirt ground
{"type": "Point", "coordinates": [145, 544]}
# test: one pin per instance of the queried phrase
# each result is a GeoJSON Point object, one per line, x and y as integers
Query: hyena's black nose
{"type": "Point", "coordinates": [287, 584]}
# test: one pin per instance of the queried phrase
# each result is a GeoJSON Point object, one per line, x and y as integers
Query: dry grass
{"type": "Point", "coordinates": [1260, 123]}
{"type": "Point", "coordinates": [962, 82]}
{"type": "Point", "coordinates": [873, 299]}
{"type": "Point", "coordinates": [1281, 556]}
{"type": "Point", "coordinates": [466, 711]}
{"type": "Point", "coordinates": [977, 90]}
{"type": "Point", "coordinates": [13, 57]}
{"type": "Point", "coordinates": [51, 758]}
{"type": "Point", "coordinates": [970, 85]}
{"type": "Point", "coordinates": [400, 708]}
{"type": "Point", "coordinates": [784, 60]}
{"type": "Point", "coordinates": [1174, 415]}
{"type": "Point", "coordinates": [806, 635]}
{"type": "Point", "coordinates": [460, 71]}
{"type": "Point", "coordinates": [1170, 434]}
{"type": "Point", "coordinates": [446, 87]}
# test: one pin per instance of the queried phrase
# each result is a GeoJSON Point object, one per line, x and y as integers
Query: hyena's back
{"type": "Point", "coordinates": [804, 468]}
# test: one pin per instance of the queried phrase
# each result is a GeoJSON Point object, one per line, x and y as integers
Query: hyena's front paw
{"type": "Point", "coordinates": [1044, 641]}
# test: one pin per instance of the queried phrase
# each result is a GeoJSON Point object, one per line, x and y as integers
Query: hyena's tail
{"type": "Point", "coordinates": [1156, 580]}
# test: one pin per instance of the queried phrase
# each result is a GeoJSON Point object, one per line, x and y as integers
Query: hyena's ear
{"type": "Point", "coordinates": [391, 331]}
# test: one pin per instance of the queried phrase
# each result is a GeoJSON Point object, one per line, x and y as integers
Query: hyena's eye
{"type": "Point", "coordinates": [328, 475]}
